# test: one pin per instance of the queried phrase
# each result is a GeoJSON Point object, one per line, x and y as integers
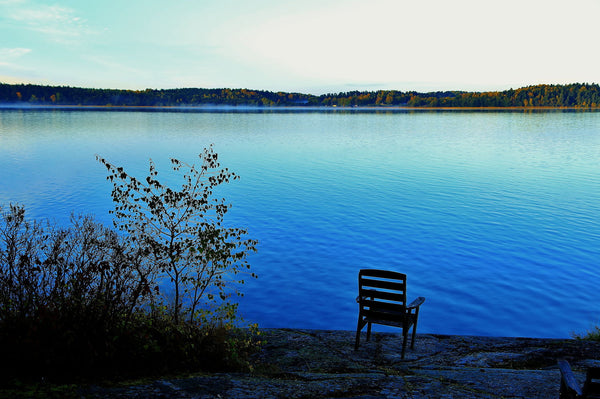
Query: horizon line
{"type": "Point", "coordinates": [298, 92]}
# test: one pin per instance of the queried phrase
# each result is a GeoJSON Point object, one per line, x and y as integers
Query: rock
{"type": "Point", "coordinates": [322, 364]}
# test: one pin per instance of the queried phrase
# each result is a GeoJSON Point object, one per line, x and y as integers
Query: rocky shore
{"type": "Point", "coordinates": [323, 364]}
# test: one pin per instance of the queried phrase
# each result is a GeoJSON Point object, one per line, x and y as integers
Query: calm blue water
{"type": "Point", "coordinates": [494, 216]}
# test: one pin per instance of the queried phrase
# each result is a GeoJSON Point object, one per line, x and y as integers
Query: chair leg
{"type": "Point", "coordinates": [404, 339]}
{"type": "Point", "coordinates": [414, 334]}
{"type": "Point", "coordinates": [359, 327]}
{"type": "Point", "coordinates": [368, 331]}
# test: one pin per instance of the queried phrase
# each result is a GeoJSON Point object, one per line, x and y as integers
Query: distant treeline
{"type": "Point", "coordinates": [572, 95]}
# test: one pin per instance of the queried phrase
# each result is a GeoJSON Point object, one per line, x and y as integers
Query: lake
{"type": "Point", "coordinates": [494, 216]}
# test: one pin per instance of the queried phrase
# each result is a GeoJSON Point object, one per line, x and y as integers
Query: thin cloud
{"type": "Point", "coordinates": [56, 22]}
{"type": "Point", "coordinates": [9, 55]}
{"type": "Point", "coordinates": [13, 53]}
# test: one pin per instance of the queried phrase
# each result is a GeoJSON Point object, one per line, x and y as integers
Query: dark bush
{"type": "Point", "coordinates": [76, 303]}
{"type": "Point", "coordinates": [65, 294]}
{"type": "Point", "coordinates": [88, 301]}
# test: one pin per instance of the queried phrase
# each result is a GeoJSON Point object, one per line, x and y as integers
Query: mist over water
{"type": "Point", "coordinates": [494, 216]}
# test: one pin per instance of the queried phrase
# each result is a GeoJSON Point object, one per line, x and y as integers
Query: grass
{"type": "Point", "coordinates": [593, 334]}
{"type": "Point", "coordinates": [39, 390]}
{"type": "Point", "coordinates": [222, 349]}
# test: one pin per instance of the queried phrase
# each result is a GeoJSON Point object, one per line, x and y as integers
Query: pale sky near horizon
{"type": "Point", "coordinates": [309, 46]}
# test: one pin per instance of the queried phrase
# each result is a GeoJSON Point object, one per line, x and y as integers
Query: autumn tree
{"type": "Point", "coordinates": [181, 232]}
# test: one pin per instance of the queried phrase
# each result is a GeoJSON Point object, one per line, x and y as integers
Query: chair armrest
{"type": "Point", "coordinates": [416, 303]}
{"type": "Point", "coordinates": [568, 378]}
{"type": "Point", "coordinates": [359, 298]}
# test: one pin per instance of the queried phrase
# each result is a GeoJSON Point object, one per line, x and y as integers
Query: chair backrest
{"type": "Point", "coordinates": [591, 387]}
{"type": "Point", "coordinates": [382, 294]}
{"type": "Point", "coordinates": [569, 386]}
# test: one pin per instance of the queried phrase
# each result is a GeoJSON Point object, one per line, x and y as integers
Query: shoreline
{"type": "Point", "coordinates": [282, 108]}
{"type": "Point", "coordinates": [297, 363]}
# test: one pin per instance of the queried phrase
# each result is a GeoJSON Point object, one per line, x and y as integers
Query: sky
{"type": "Point", "coordinates": [308, 46]}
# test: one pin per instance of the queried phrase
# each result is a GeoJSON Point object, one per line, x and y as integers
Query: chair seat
{"type": "Point", "coordinates": [394, 323]}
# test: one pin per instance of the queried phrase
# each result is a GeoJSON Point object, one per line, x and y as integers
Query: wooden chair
{"type": "Point", "coordinates": [569, 387]}
{"type": "Point", "coordinates": [382, 300]}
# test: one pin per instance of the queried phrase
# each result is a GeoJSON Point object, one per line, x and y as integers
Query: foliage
{"type": "Point", "coordinates": [592, 334]}
{"type": "Point", "coordinates": [63, 292]}
{"type": "Point", "coordinates": [572, 95]}
{"type": "Point", "coordinates": [181, 232]}
{"type": "Point", "coordinates": [83, 269]}
{"type": "Point", "coordinates": [577, 95]}
{"type": "Point", "coordinates": [65, 95]}
{"type": "Point", "coordinates": [85, 301]}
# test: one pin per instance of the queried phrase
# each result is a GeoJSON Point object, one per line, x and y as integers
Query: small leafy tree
{"type": "Point", "coordinates": [181, 232]}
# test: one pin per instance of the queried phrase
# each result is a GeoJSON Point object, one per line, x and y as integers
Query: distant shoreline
{"type": "Point", "coordinates": [543, 96]}
{"type": "Point", "coordinates": [275, 108]}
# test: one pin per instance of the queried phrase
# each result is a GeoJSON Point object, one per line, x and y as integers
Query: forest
{"type": "Point", "coordinates": [576, 95]}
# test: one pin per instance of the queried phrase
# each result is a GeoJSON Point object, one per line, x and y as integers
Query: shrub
{"type": "Point", "coordinates": [86, 301]}
{"type": "Point", "coordinates": [65, 292]}
{"type": "Point", "coordinates": [593, 334]}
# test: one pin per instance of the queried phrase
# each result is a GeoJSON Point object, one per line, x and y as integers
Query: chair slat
{"type": "Point", "coordinates": [593, 373]}
{"type": "Point", "coordinates": [591, 387]}
{"type": "Point", "coordinates": [382, 274]}
{"type": "Point", "coordinates": [397, 309]}
{"type": "Point", "coordinates": [390, 296]}
{"type": "Point", "coordinates": [388, 285]}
